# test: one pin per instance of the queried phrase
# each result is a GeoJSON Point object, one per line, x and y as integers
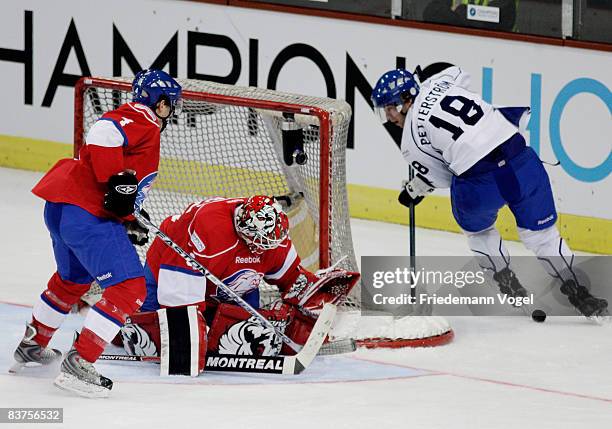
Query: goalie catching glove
{"type": "Point", "coordinates": [310, 293]}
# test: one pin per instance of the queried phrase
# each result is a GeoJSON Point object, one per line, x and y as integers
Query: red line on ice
{"type": "Point", "coordinates": [489, 380]}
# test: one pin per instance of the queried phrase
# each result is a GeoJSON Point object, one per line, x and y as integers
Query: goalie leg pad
{"type": "Point", "coordinates": [140, 335]}
{"type": "Point", "coordinates": [234, 331]}
{"type": "Point", "coordinates": [183, 341]}
{"type": "Point", "coordinates": [299, 329]}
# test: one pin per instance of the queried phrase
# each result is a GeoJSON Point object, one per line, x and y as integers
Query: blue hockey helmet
{"type": "Point", "coordinates": [150, 85]}
{"type": "Point", "coordinates": [394, 88]}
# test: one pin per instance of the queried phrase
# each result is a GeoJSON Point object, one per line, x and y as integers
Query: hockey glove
{"type": "Point", "coordinates": [121, 194]}
{"type": "Point", "coordinates": [137, 233]}
{"type": "Point", "coordinates": [405, 199]}
{"type": "Point", "coordinates": [414, 191]}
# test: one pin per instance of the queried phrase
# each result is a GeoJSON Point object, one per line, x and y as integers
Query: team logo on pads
{"type": "Point", "coordinates": [250, 338]}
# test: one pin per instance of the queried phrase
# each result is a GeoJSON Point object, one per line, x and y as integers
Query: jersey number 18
{"type": "Point", "coordinates": [470, 113]}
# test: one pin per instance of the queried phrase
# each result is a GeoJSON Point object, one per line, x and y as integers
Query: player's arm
{"type": "Point", "coordinates": [430, 170]}
{"type": "Point", "coordinates": [105, 141]}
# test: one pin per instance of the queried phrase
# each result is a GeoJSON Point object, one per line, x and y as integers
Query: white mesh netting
{"type": "Point", "coordinates": [227, 142]}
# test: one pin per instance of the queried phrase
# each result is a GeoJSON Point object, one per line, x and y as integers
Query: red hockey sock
{"type": "Point", "coordinates": [106, 317]}
{"type": "Point", "coordinates": [54, 304]}
{"type": "Point", "coordinates": [43, 333]}
{"type": "Point", "coordinates": [89, 345]}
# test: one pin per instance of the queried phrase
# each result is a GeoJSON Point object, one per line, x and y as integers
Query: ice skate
{"type": "Point", "coordinates": [509, 284]}
{"type": "Point", "coordinates": [28, 351]}
{"type": "Point", "coordinates": [579, 296]}
{"type": "Point", "coordinates": [79, 376]}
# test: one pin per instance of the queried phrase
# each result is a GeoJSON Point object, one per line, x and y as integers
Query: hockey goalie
{"type": "Point", "coordinates": [241, 241]}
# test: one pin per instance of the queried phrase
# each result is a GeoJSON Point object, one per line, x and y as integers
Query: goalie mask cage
{"type": "Point", "coordinates": [228, 143]}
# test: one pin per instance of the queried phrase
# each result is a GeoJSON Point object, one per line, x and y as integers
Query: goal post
{"type": "Point", "coordinates": [233, 141]}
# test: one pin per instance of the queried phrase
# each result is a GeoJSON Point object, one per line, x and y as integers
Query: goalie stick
{"type": "Point", "coordinates": [282, 365]}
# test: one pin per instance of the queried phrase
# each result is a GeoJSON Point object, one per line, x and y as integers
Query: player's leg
{"type": "Point", "coordinates": [104, 249]}
{"type": "Point", "coordinates": [535, 213]}
{"type": "Point", "coordinates": [476, 200]}
{"type": "Point", "coordinates": [64, 289]}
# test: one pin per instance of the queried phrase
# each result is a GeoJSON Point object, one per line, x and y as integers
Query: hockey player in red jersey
{"type": "Point", "coordinates": [242, 241]}
{"type": "Point", "coordinates": [89, 206]}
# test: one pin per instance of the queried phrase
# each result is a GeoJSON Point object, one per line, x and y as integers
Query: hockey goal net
{"type": "Point", "coordinates": [235, 141]}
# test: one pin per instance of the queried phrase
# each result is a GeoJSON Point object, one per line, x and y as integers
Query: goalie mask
{"type": "Point", "coordinates": [261, 223]}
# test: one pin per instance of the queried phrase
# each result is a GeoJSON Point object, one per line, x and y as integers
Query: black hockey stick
{"type": "Point", "coordinates": [412, 235]}
{"type": "Point", "coordinates": [286, 365]}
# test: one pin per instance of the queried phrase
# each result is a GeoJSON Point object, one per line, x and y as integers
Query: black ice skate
{"type": "Point", "coordinates": [79, 376]}
{"type": "Point", "coordinates": [580, 297]}
{"type": "Point", "coordinates": [28, 351]}
{"type": "Point", "coordinates": [509, 284]}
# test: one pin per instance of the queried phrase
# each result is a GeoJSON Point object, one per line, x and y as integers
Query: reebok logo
{"type": "Point", "coordinates": [546, 220]}
{"type": "Point", "coordinates": [248, 260]}
{"type": "Point", "coordinates": [104, 277]}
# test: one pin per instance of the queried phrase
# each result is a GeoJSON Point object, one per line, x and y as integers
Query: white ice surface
{"type": "Point", "coordinates": [497, 373]}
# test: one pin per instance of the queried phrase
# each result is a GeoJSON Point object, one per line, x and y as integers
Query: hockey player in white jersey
{"type": "Point", "coordinates": [452, 138]}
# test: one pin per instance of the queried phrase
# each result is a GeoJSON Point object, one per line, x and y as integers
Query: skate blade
{"type": "Point", "coordinates": [72, 384]}
{"type": "Point", "coordinates": [603, 318]}
{"type": "Point", "coordinates": [16, 368]}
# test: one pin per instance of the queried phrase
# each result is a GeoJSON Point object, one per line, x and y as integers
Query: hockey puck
{"type": "Point", "coordinates": [538, 316]}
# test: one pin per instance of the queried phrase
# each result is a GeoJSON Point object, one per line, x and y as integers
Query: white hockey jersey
{"type": "Point", "coordinates": [449, 128]}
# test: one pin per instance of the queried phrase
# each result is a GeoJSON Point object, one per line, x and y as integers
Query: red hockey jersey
{"type": "Point", "coordinates": [125, 138]}
{"type": "Point", "coordinates": [206, 230]}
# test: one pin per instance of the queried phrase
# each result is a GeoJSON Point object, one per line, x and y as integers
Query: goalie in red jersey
{"type": "Point", "coordinates": [241, 241]}
{"type": "Point", "coordinates": [88, 212]}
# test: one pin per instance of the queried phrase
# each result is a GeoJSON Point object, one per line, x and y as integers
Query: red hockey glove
{"type": "Point", "coordinates": [332, 286]}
